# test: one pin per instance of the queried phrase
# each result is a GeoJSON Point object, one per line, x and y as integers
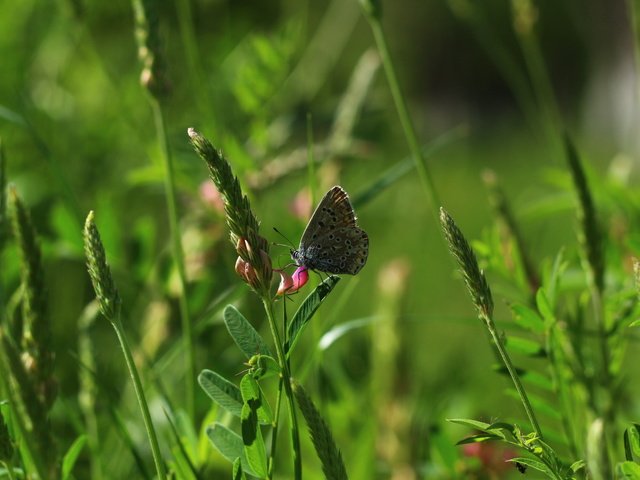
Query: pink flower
{"type": "Point", "coordinates": [292, 283]}
{"type": "Point", "coordinates": [301, 205]}
{"type": "Point", "coordinates": [211, 196]}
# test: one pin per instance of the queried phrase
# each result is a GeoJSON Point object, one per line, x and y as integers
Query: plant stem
{"type": "Point", "coordinates": [282, 359]}
{"type": "Point", "coordinates": [403, 113]}
{"type": "Point", "coordinates": [178, 256]}
{"type": "Point", "coordinates": [274, 434]}
{"type": "Point", "coordinates": [512, 372]}
{"type": "Point", "coordinates": [137, 386]}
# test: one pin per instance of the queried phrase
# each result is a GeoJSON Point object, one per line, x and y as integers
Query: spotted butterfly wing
{"type": "Point", "coordinates": [332, 241]}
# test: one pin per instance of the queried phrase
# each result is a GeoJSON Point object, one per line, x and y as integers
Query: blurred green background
{"type": "Point", "coordinates": [255, 77]}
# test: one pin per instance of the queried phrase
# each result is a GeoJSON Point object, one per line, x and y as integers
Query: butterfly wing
{"type": "Point", "coordinates": [333, 211]}
{"type": "Point", "coordinates": [332, 241]}
{"type": "Point", "coordinates": [338, 250]}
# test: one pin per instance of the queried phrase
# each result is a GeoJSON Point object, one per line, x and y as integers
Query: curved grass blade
{"type": "Point", "coordinates": [71, 456]}
{"type": "Point", "coordinates": [243, 333]}
{"type": "Point", "coordinates": [306, 311]}
{"type": "Point", "coordinates": [229, 444]}
{"type": "Point", "coordinates": [406, 165]}
{"type": "Point", "coordinates": [221, 391]}
{"type": "Point", "coordinates": [178, 439]}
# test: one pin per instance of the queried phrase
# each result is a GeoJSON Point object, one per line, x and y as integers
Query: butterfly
{"type": "Point", "coordinates": [332, 241]}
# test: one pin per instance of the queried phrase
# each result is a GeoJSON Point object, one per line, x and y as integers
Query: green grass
{"type": "Point", "coordinates": [185, 126]}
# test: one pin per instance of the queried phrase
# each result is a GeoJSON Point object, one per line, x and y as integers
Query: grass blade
{"type": "Point", "coordinates": [306, 311]}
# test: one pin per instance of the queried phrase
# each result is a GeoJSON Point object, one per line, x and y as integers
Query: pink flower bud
{"type": "Point", "coordinates": [293, 283]}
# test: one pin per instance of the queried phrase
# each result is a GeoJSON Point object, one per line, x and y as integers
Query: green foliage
{"type": "Point", "coordinates": [392, 352]}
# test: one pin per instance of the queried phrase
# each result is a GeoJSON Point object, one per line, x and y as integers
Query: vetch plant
{"type": "Point", "coordinates": [248, 451]}
{"type": "Point", "coordinates": [580, 334]}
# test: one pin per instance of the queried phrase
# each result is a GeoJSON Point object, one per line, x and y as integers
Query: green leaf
{"type": "Point", "coordinates": [252, 394]}
{"type": "Point", "coordinates": [630, 470]}
{"type": "Point", "coordinates": [535, 464]}
{"type": "Point", "coordinates": [527, 318]}
{"type": "Point", "coordinates": [534, 378]}
{"type": "Point", "coordinates": [307, 310]}
{"type": "Point", "coordinates": [526, 347]}
{"type": "Point", "coordinates": [544, 307]}
{"type": "Point", "coordinates": [481, 437]}
{"type": "Point", "coordinates": [254, 448]}
{"type": "Point", "coordinates": [577, 465]}
{"type": "Point", "coordinates": [243, 333]}
{"type": "Point", "coordinates": [70, 458]}
{"type": "Point", "coordinates": [229, 444]}
{"type": "Point", "coordinates": [221, 391]}
{"type": "Point", "coordinates": [474, 424]}
{"type": "Point", "coordinates": [632, 442]}
{"type": "Point", "coordinates": [238, 473]}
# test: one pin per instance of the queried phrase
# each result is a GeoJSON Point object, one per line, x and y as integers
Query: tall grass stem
{"type": "Point", "coordinates": [178, 256]}
{"type": "Point", "coordinates": [144, 408]}
{"type": "Point", "coordinates": [481, 295]}
{"type": "Point", "coordinates": [403, 113]}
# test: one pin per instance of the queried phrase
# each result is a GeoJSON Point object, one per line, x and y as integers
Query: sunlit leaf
{"type": "Point", "coordinates": [243, 333]}
{"type": "Point", "coordinates": [221, 391]}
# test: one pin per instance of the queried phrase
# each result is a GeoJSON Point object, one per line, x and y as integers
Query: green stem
{"type": "Point", "coordinates": [137, 386]}
{"type": "Point", "coordinates": [608, 412]}
{"type": "Point", "coordinates": [282, 359]}
{"type": "Point", "coordinates": [512, 372]}
{"type": "Point", "coordinates": [274, 434]}
{"type": "Point", "coordinates": [178, 256]}
{"type": "Point", "coordinates": [541, 83]}
{"type": "Point", "coordinates": [403, 113]}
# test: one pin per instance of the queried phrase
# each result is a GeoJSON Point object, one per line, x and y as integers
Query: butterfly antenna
{"type": "Point", "coordinates": [290, 244]}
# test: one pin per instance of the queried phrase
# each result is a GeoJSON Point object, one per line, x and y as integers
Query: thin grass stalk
{"type": "Point", "coordinates": [178, 255]}
{"type": "Point", "coordinates": [110, 306]}
{"type": "Point", "coordinates": [142, 401]}
{"type": "Point", "coordinates": [195, 71]}
{"type": "Point", "coordinates": [591, 241]}
{"type": "Point", "coordinates": [481, 295]}
{"type": "Point", "coordinates": [472, 13]}
{"type": "Point", "coordinates": [29, 445]}
{"type": "Point", "coordinates": [274, 432]}
{"type": "Point", "coordinates": [505, 215]}
{"type": "Point", "coordinates": [89, 387]}
{"type": "Point", "coordinates": [373, 15]}
{"type": "Point", "coordinates": [524, 18]}
{"type": "Point", "coordinates": [284, 365]}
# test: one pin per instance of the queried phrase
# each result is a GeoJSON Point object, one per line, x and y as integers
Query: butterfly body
{"type": "Point", "coordinates": [332, 241]}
